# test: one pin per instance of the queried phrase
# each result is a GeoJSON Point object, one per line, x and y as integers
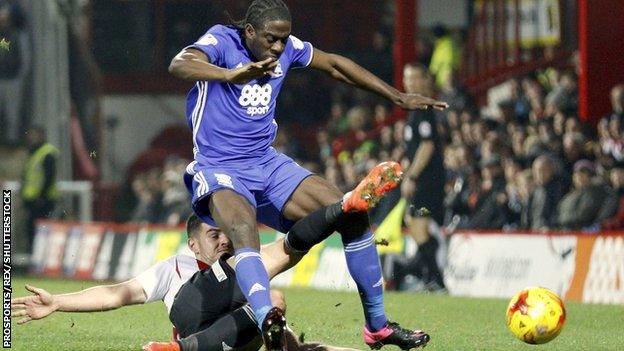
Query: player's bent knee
{"type": "Point", "coordinates": [354, 225]}
{"type": "Point", "coordinates": [243, 234]}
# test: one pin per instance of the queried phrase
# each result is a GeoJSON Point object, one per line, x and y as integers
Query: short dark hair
{"type": "Point", "coordinates": [262, 11]}
{"type": "Point", "coordinates": [193, 223]}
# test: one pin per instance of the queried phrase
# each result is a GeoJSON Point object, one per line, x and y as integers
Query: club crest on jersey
{"type": "Point", "coordinates": [256, 98]}
{"type": "Point", "coordinates": [277, 72]}
{"type": "Point", "coordinates": [208, 39]}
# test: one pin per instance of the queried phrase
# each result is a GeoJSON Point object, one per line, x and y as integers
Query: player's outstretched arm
{"type": "Point", "coordinates": [192, 64]}
{"type": "Point", "coordinates": [344, 69]}
{"type": "Point", "coordinates": [99, 298]}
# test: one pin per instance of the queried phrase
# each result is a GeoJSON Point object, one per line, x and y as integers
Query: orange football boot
{"type": "Point", "coordinates": [382, 178]}
{"type": "Point", "coordinates": [161, 346]}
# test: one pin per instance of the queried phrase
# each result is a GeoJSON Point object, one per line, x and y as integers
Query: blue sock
{"type": "Point", "coordinates": [365, 269]}
{"type": "Point", "coordinates": [253, 280]}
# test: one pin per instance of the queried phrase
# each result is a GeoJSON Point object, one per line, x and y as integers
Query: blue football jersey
{"type": "Point", "coordinates": [234, 124]}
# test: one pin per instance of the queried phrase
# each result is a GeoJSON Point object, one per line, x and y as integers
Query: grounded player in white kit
{"type": "Point", "coordinates": [237, 178]}
{"type": "Point", "coordinates": [231, 324]}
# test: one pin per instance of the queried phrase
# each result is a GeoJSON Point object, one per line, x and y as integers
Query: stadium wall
{"type": "Point", "coordinates": [580, 267]}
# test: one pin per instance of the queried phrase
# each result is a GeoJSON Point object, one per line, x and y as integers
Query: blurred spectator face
{"type": "Point", "coordinates": [615, 127]}
{"type": "Point", "coordinates": [466, 130]}
{"type": "Point", "coordinates": [543, 170]}
{"type": "Point", "coordinates": [617, 98]}
{"type": "Point", "coordinates": [517, 142]}
{"type": "Point", "coordinates": [337, 110]}
{"type": "Point", "coordinates": [139, 186]}
{"type": "Point", "coordinates": [572, 125]}
{"type": "Point", "coordinates": [357, 118]}
{"type": "Point", "coordinates": [332, 174]}
{"type": "Point", "coordinates": [463, 156]}
{"type": "Point", "coordinates": [512, 127]}
{"type": "Point", "coordinates": [450, 158]}
{"type": "Point", "coordinates": [322, 137]}
{"type": "Point", "coordinates": [511, 169]}
{"type": "Point", "coordinates": [349, 173]}
{"type": "Point", "coordinates": [466, 117]}
{"type": "Point", "coordinates": [524, 181]}
{"type": "Point", "coordinates": [573, 146]}
{"type": "Point", "coordinates": [616, 176]}
{"type": "Point", "coordinates": [456, 137]}
{"type": "Point", "coordinates": [581, 178]}
{"type": "Point", "coordinates": [559, 121]}
{"type": "Point", "coordinates": [452, 118]}
{"type": "Point", "coordinates": [379, 41]}
{"type": "Point", "coordinates": [416, 80]}
{"type": "Point", "coordinates": [568, 82]}
{"type": "Point", "coordinates": [603, 129]}
{"type": "Point", "coordinates": [399, 129]}
{"type": "Point", "coordinates": [489, 173]}
{"type": "Point", "coordinates": [545, 132]}
{"type": "Point", "coordinates": [153, 179]}
{"type": "Point", "coordinates": [479, 130]}
{"type": "Point", "coordinates": [385, 136]}
{"type": "Point", "coordinates": [381, 113]}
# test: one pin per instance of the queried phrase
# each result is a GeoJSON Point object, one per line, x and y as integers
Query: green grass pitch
{"type": "Point", "coordinates": [331, 317]}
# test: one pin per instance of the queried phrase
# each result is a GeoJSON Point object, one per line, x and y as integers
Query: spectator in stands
{"type": "Point", "coordinates": [573, 151]}
{"type": "Point", "coordinates": [146, 188]}
{"type": "Point", "coordinates": [14, 69]}
{"type": "Point", "coordinates": [338, 122]}
{"type": "Point", "coordinates": [492, 201]}
{"type": "Point", "coordinates": [525, 186]}
{"type": "Point", "coordinates": [615, 204]}
{"type": "Point", "coordinates": [519, 102]}
{"type": "Point", "coordinates": [463, 185]}
{"type": "Point", "coordinates": [174, 199]}
{"type": "Point", "coordinates": [512, 170]}
{"type": "Point", "coordinates": [454, 94]}
{"type": "Point", "coordinates": [610, 127]}
{"type": "Point", "coordinates": [563, 97]}
{"type": "Point", "coordinates": [324, 145]}
{"type": "Point", "coordinates": [580, 208]}
{"type": "Point", "coordinates": [617, 102]}
{"type": "Point", "coordinates": [446, 55]}
{"type": "Point", "coordinates": [546, 195]}
{"type": "Point", "coordinates": [39, 191]}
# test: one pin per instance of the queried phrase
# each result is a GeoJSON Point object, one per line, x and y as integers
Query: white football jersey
{"type": "Point", "coordinates": [163, 280]}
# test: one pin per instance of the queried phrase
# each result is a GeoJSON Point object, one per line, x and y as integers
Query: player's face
{"type": "Point", "coordinates": [268, 42]}
{"type": "Point", "coordinates": [210, 244]}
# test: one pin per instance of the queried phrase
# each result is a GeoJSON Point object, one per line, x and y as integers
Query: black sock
{"type": "Point", "coordinates": [234, 330]}
{"type": "Point", "coordinates": [429, 250]}
{"type": "Point", "coordinates": [314, 228]}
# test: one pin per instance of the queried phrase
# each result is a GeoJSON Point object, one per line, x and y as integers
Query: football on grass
{"type": "Point", "coordinates": [536, 315]}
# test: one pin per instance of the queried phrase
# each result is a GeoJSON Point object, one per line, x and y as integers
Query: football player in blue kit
{"type": "Point", "coordinates": [237, 178]}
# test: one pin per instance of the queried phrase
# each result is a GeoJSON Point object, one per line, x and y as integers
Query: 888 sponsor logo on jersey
{"type": "Point", "coordinates": [256, 98]}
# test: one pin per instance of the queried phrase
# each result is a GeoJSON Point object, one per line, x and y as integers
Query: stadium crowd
{"type": "Point", "coordinates": [531, 164]}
